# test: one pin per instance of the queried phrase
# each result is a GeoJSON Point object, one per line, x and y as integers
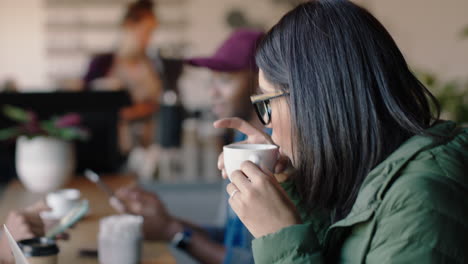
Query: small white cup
{"type": "Point", "coordinates": [62, 201]}
{"type": "Point", "coordinates": [263, 155]}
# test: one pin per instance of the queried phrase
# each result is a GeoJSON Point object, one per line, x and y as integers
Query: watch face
{"type": "Point", "coordinates": [177, 238]}
{"type": "Point", "coordinates": [182, 239]}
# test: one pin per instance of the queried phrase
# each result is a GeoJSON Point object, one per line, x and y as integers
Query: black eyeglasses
{"type": "Point", "coordinates": [262, 105]}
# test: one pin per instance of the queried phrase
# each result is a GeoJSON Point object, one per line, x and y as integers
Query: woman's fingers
{"type": "Point", "coordinates": [19, 226]}
{"type": "Point", "coordinates": [240, 180]}
{"type": "Point", "coordinates": [282, 164]}
{"type": "Point", "coordinates": [38, 207]}
{"type": "Point", "coordinates": [221, 165]}
{"type": "Point", "coordinates": [24, 234]}
{"type": "Point", "coordinates": [37, 230]}
{"type": "Point", "coordinates": [135, 207]}
{"type": "Point", "coordinates": [264, 207]}
{"type": "Point", "coordinates": [128, 192]}
{"type": "Point", "coordinates": [35, 225]}
{"type": "Point", "coordinates": [231, 188]}
{"type": "Point", "coordinates": [236, 123]}
{"type": "Point", "coordinates": [254, 173]}
{"type": "Point", "coordinates": [254, 135]}
{"type": "Point", "coordinates": [221, 161]}
{"type": "Point", "coordinates": [224, 174]}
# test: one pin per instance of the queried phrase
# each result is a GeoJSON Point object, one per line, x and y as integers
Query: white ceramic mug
{"type": "Point", "coordinates": [264, 155]}
{"type": "Point", "coordinates": [61, 201]}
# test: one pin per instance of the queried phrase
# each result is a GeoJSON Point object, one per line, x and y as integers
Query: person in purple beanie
{"type": "Point", "coordinates": [234, 79]}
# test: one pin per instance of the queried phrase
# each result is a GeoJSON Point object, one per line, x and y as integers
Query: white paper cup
{"type": "Point", "coordinates": [120, 239]}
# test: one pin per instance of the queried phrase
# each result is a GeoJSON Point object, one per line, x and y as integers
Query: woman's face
{"type": "Point", "coordinates": [280, 118]}
{"type": "Point", "coordinates": [139, 33]}
{"type": "Point", "coordinates": [230, 93]}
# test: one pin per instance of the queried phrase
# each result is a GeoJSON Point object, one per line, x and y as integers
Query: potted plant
{"type": "Point", "coordinates": [452, 96]}
{"type": "Point", "coordinates": [45, 156]}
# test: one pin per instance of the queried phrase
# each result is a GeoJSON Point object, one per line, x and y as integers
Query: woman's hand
{"type": "Point", "coordinates": [254, 136]}
{"type": "Point", "coordinates": [259, 201]}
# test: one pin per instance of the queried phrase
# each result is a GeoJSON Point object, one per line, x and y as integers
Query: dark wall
{"type": "Point", "coordinates": [99, 112]}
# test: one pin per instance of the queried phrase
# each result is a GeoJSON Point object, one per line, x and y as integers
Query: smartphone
{"type": "Point", "coordinates": [71, 218]}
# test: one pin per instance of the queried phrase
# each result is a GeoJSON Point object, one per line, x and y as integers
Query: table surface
{"type": "Point", "coordinates": [84, 234]}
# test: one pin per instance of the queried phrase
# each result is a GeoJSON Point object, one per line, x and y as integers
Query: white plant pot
{"type": "Point", "coordinates": [44, 164]}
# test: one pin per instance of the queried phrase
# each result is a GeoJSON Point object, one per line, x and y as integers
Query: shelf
{"type": "Point", "coordinates": [169, 47]}
{"type": "Point", "coordinates": [54, 51]}
{"type": "Point", "coordinates": [94, 3]}
{"type": "Point", "coordinates": [73, 27]}
{"type": "Point", "coordinates": [80, 26]}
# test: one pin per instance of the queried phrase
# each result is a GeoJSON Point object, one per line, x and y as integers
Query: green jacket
{"type": "Point", "coordinates": [411, 208]}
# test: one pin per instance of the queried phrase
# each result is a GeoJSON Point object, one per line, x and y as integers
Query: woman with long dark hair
{"type": "Point", "coordinates": [369, 153]}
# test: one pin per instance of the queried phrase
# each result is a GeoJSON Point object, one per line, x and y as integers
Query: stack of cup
{"type": "Point", "coordinates": [120, 239]}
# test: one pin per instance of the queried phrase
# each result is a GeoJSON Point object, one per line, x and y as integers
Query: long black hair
{"type": "Point", "coordinates": [353, 99]}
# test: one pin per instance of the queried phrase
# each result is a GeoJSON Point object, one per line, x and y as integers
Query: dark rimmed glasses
{"type": "Point", "coordinates": [262, 105]}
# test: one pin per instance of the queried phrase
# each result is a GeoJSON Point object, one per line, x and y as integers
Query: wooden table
{"type": "Point", "coordinates": [84, 234]}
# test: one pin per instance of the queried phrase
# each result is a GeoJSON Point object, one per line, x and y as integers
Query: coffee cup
{"type": "Point", "coordinates": [40, 250]}
{"type": "Point", "coordinates": [120, 239]}
{"type": "Point", "coordinates": [62, 201]}
{"type": "Point", "coordinates": [263, 155]}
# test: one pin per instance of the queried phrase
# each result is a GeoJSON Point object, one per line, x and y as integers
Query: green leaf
{"type": "Point", "coordinates": [30, 126]}
{"type": "Point", "coordinates": [70, 134]}
{"type": "Point", "coordinates": [49, 128]}
{"type": "Point", "coordinates": [464, 33]}
{"type": "Point", "coordinates": [9, 133]}
{"type": "Point", "coordinates": [16, 114]}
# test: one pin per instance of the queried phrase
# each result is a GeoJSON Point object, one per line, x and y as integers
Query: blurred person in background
{"type": "Point", "coordinates": [234, 79]}
{"type": "Point", "coordinates": [129, 67]}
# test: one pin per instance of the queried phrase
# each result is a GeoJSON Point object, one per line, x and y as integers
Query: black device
{"type": "Point", "coordinates": [171, 114]}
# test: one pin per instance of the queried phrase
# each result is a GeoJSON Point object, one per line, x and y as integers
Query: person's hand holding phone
{"type": "Point", "coordinates": [115, 202]}
{"type": "Point", "coordinates": [158, 224]}
{"type": "Point", "coordinates": [23, 224]}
